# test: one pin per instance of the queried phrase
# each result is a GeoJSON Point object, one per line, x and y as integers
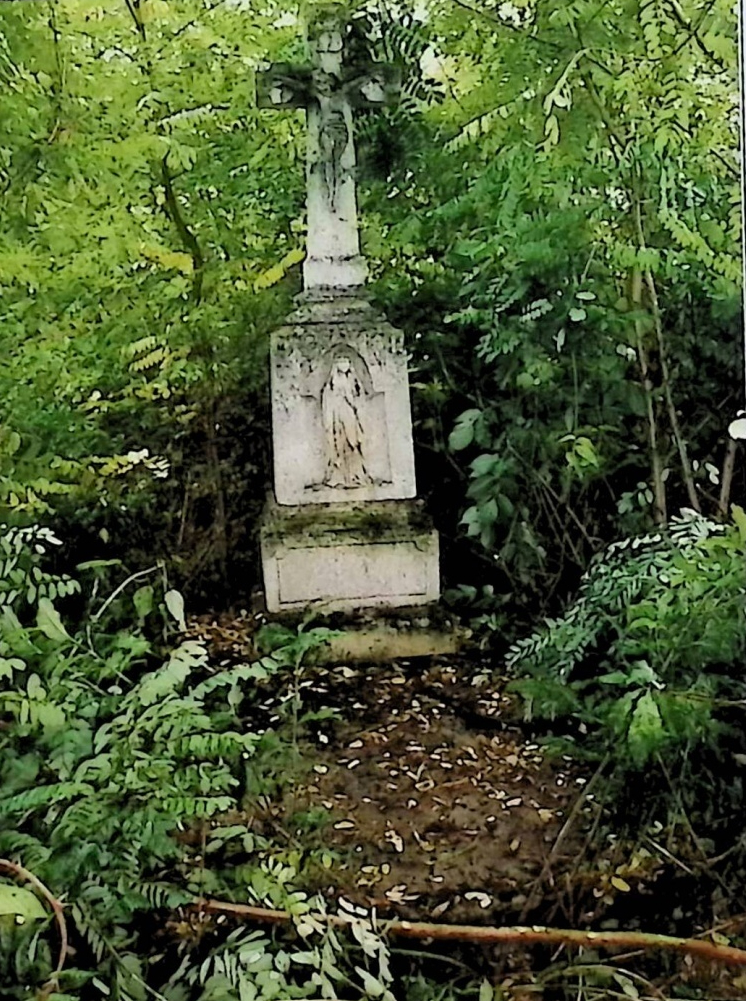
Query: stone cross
{"type": "Point", "coordinates": [329, 90]}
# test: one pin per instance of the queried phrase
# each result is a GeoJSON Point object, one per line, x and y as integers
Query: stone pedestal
{"type": "Point", "coordinates": [341, 424]}
{"type": "Point", "coordinates": [342, 531]}
{"type": "Point", "coordinates": [347, 556]}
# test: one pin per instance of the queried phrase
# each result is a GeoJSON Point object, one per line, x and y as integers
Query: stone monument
{"type": "Point", "coordinates": [343, 530]}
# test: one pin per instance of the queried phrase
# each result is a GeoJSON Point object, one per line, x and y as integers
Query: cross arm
{"type": "Point", "coordinates": [376, 85]}
{"type": "Point", "coordinates": [284, 86]}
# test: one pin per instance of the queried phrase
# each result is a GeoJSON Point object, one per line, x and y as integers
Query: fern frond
{"type": "Point", "coordinates": [259, 670]}
{"type": "Point", "coordinates": [31, 799]}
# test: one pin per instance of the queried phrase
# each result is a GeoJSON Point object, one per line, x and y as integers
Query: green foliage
{"type": "Point", "coordinates": [575, 147]}
{"type": "Point", "coordinates": [153, 213]}
{"type": "Point", "coordinates": [655, 637]}
{"type": "Point", "coordinates": [110, 749]}
{"type": "Point", "coordinates": [138, 257]}
{"type": "Point", "coordinates": [118, 764]}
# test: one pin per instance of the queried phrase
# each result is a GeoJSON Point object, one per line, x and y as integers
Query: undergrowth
{"type": "Point", "coordinates": [649, 656]}
{"type": "Point", "coordinates": [125, 759]}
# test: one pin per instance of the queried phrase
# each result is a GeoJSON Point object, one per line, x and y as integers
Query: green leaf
{"type": "Point", "coordinates": [627, 985]}
{"type": "Point", "coordinates": [97, 564]}
{"type": "Point", "coordinates": [143, 600]}
{"type": "Point", "coordinates": [175, 604]}
{"type": "Point", "coordinates": [371, 985]}
{"type": "Point", "coordinates": [463, 434]}
{"type": "Point", "coordinates": [50, 623]}
{"type": "Point", "coordinates": [577, 313]}
{"type": "Point", "coordinates": [487, 464]}
{"type": "Point", "coordinates": [646, 733]}
{"type": "Point", "coordinates": [21, 903]}
{"type": "Point", "coordinates": [739, 517]}
{"type": "Point", "coordinates": [614, 678]}
{"type": "Point", "coordinates": [461, 437]}
{"type": "Point", "coordinates": [486, 991]}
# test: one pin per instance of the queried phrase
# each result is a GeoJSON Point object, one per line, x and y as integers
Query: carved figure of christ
{"type": "Point", "coordinates": [329, 91]}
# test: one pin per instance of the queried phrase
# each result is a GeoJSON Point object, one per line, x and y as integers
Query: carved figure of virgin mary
{"type": "Point", "coordinates": [341, 406]}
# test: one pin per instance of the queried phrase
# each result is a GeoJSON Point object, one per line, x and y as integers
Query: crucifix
{"type": "Point", "coordinates": [342, 528]}
{"type": "Point", "coordinates": [329, 90]}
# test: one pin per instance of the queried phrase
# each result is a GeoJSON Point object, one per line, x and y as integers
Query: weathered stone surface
{"type": "Point", "coordinates": [383, 642]}
{"type": "Point", "coordinates": [341, 421]}
{"type": "Point", "coordinates": [329, 90]}
{"type": "Point", "coordinates": [345, 556]}
{"type": "Point", "coordinates": [343, 533]}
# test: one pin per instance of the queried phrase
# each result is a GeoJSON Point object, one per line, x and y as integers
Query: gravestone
{"type": "Point", "coordinates": [343, 529]}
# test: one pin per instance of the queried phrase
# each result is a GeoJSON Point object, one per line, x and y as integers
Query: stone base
{"type": "Point", "coordinates": [344, 557]}
{"type": "Point", "coordinates": [384, 641]}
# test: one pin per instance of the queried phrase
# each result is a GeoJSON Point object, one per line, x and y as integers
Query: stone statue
{"type": "Point", "coordinates": [342, 398]}
{"type": "Point", "coordinates": [334, 137]}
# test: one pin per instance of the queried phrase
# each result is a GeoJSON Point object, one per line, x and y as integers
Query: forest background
{"type": "Point", "coordinates": [551, 213]}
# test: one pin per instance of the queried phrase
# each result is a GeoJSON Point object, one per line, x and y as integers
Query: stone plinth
{"type": "Point", "coordinates": [344, 556]}
{"type": "Point", "coordinates": [341, 422]}
{"type": "Point", "coordinates": [384, 641]}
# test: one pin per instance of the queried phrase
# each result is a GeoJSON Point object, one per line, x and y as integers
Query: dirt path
{"type": "Point", "coordinates": [431, 802]}
{"type": "Point", "coordinates": [430, 797]}
{"type": "Point", "coordinates": [427, 813]}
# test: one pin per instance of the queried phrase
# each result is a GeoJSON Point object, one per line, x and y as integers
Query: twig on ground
{"type": "Point", "coordinates": [511, 935]}
{"type": "Point", "coordinates": [533, 896]}
{"type": "Point", "coordinates": [118, 590]}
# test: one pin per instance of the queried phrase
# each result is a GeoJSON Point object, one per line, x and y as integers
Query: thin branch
{"type": "Point", "coordinates": [118, 959]}
{"type": "Point", "coordinates": [186, 27]}
{"type": "Point", "coordinates": [495, 19]}
{"type": "Point", "coordinates": [617, 146]}
{"type": "Point", "coordinates": [58, 89]}
{"type": "Point", "coordinates": [188, 238]}
{"type": "Point", "coordinates": [507, 935]}
{"type": "Point", "coordinates": [118, 590]}
{"type": "Point", "coordinates": [660, 515]}
{"type": "Point", "coordinates": [59, 916]}
{"type": "Point", "coordinates": [688, 824]}
{"type": "Point", "coordinates": [133, 6]}
{"type": "Point", "coordinates": [694, 30]}
{"type": "Point", "coordinates": [566, 504]}
{"type": "Point", "coordinates": [209, 106]}
{"type": "Point", "coordinates": [675, 10]}
{"type": "Point", "coordinates": [686, 468]}
{"type": "Point", "coordinates": [689, 135]}
{"type": "Point", "coordinates": [533, 897]}
{"type": "Point", "coordinates": [726, 477]}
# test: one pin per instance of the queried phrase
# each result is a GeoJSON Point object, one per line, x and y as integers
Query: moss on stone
{"type": "Point", "coordinates": [371, 521]}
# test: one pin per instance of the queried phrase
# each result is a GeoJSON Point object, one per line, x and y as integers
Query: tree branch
{"type": "Point", "coordinates": [660, 514]}
{"type": "Point", "coordinates": [59, 916]}
{"type": "Point", "coordinates": [686, 468]}
{"type": "Point", "coordinates": [188, 238]}
{"type": "Point", "coordinates": [133, 6]}
{"type": "Point", "coordinates": [726, 477]}
{"type": "Point", "coordinates": [511, 935]}
{"type": "Point", "coordinates": [675, 10]}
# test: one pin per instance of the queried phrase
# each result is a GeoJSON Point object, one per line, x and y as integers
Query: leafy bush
{"type": "Point", "coordinates": [107, 755]}
{"type": "Point", "coordinates": [654, 639]}
{"type": "Point", "coordinates": [123, 768]}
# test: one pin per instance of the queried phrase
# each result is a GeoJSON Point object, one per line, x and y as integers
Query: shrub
{"type": "Point", "coordinates": [654, 639]}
